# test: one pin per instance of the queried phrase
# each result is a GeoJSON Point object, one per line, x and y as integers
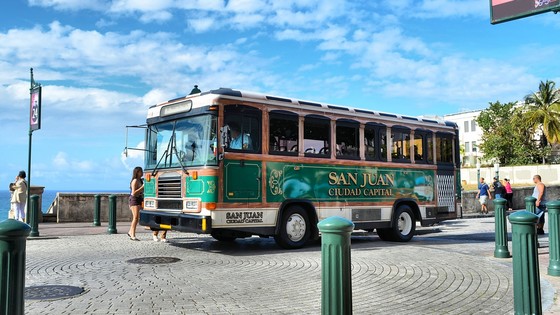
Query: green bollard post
{"type": "Point", "coordinates": [13, 235]}
{"type": "Point", "coordinates": [501, 249]}
{"type": "Point", "coordinates": [526, 276]}
{"type": "Point", "coordinates": [336, 289]}
{"type": "Point", "coordinates": [96, 210]}
{"type": "Point", "coordinates": [530, 204]}
{"type": "Point", "coordinates": [553, 235]}
{"type": "Point", "coordinates": [34, 216]}
{"type": "Point", "coordinates": [112, 228]}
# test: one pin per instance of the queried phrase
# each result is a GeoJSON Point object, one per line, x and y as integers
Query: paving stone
{"type": "Point", "coordinates": [449, 272]}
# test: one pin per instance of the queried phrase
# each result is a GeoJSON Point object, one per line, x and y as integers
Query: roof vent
{"type": "Point", "coordinates": [195, 90]}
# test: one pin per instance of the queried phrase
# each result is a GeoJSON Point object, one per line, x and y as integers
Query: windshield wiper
{"type": "Point", "coordinates": [171, 148]}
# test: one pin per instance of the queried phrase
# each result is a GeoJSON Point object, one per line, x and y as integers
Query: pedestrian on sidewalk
{"type": "Point", "coordinates": [19, 196]}
{"type": "Point", "coordinates": [499, 190]}
{"type": "Point", "coordinates": [539, 192]}
{"type": "Point", "coordinates": [163, 237]}
{"type": "Point", "coordinates": [135, 200]}
{"type": "Point", "coordinates": [483, 195]}
{"type": "Point", "coordinates": [509, 194]}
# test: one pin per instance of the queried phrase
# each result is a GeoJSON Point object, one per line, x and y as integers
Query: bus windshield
{"type": "Point", "coordinates": [183, 142]}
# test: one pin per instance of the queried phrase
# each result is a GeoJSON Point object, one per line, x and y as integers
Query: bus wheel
{"type": "Point", "coordinates": [223, 237]}
{"type": "Point", "coordinates": [295, 229]}
{"type": "Point", "coordinates": [403, 226]}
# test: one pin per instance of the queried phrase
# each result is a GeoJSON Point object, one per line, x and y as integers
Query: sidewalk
{"type": "Point", "coordinates": [51, 229]}
{"type": "Point", "coordinates": [449, 268]}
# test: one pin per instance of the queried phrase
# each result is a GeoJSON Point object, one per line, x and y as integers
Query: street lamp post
{"type": "Point", "coordinates": [477, 172]}
{"type": "Point", "coordinates": [497, 170]}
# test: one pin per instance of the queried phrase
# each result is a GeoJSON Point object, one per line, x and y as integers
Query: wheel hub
{"type": "Point", "coordinates": [405, 223]}
{"type": "Point", "coordinates": [296, 227]}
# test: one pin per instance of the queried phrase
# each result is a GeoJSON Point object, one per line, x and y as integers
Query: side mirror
{"type": "Point", "coordinates": [225, 136]}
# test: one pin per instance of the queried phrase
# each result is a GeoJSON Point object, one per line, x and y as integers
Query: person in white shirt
{"type": "Point", "coordinates": [19, 196]}
{"type": "Point", "coordinates": [239, 140]}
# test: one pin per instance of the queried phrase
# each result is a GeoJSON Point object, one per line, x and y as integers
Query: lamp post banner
{"type": "Point", "coordinates": [507, 10]}
{"type": "Point", "coordinates": [35, 109]}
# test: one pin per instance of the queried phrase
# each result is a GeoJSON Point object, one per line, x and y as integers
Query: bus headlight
{"type": "Point", "coordinates": [149, 203]}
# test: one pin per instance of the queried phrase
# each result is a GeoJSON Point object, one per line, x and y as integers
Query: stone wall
{"type": "Point", "coordinates": [471, 205]}
{"type": "Point", "coordinates": [518, 175]}
{"type": "Point", "coordinates": [79, 207]}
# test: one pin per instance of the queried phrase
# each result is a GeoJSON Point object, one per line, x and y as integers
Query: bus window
{"type": "Point", "coordinates": [370, 143]}
{"type": "Point", "coordinates": [430, 148]}
{"type": "Point", "coordinates": [400, 151]}
{"type": "Point", "coordinates": [317, 135]}
{"type": "Point", "coordinates": [375, 140]}
{"type": "Point", "coordinates": [283, 138]}
{"type": "Point", "coordinates": [419, 147]}
{"type": "Point", "coordinates": [423, 146]}
{"type": "Point", "coordinates": [444, 148]}
{"type": "Point", "coordinates": [347, 139]}
{"type": "Point", "coordinates": [383, 144]}
{"type": "Point", "coordinates": [245, 128]}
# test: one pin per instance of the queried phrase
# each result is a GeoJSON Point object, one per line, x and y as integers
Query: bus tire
{"type": "Point", "coordinates": [384, 233]}
{"type": "Point", "coordinates": [402, 228]}
{"type": "Point", "coordinates": [295, 228]}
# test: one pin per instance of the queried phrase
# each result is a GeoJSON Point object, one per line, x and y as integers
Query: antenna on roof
{"type": "Point", "coordinates": [195, 90]}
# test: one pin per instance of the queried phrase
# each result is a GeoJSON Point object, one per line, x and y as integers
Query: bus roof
{"type": "Point", "coordinates": [206, 98]}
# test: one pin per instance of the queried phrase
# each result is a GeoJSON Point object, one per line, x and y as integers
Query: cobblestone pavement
{"type": "Point", "coordinates": [449, 269]}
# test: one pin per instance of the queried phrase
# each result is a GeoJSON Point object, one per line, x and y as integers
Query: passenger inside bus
{"type": "Point", "coordinates": [239, 140]}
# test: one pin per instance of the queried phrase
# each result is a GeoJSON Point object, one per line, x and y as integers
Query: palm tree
{"type": "Point", "coordinates": [542, 111]}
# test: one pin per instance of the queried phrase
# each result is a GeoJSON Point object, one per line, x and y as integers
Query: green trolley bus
{"type": "Point", "coordinates": [235, 164]}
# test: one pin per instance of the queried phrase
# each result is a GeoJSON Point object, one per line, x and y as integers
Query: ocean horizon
{"type": "Point", "coordinates": [48, 198]}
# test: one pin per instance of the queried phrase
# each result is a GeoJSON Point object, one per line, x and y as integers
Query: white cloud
{"type": "Point", "coordinates": [70, 4]}
{"type": "Point", "coordinates": [438, 8]}
{"type": "Point", "coordinates": [202, 24]}
{"type": "Point", "coordinates": [158, 16]}
{"type": "Point", "coordinates": [62, 163]}
{"type": "Point", "coordinates": [133, 156]}
{"type": "Point", "coordinates": [140, 5]}
{"type": "Point", "coordinates": [451, 8]}
{"type": "Point", "coordinates": [245, 6]}
{"type": "Point", "coordinates": [156, 96]}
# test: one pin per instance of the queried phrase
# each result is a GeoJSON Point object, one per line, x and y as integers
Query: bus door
{"type": "Point", "coordinates": [242, 181]}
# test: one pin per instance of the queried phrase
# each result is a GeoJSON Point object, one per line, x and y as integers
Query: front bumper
{"type": "Point", "coordinates": [176, 221]}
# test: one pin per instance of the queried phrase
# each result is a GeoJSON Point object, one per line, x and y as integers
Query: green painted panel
{"type": "Point", "coordinates": [340, 183]}
{"type": "Point", "coordinates": [150, 188]}
{"type": "Point", "coordinates": [194, 187]}
{"type": "Point", "coordinates": [242, 181]}
{"type": "Point", "coordinates": [204, 187]}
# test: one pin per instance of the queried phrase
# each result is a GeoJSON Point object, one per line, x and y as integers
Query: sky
{"type": "Point", "coordinates": [102, 63]}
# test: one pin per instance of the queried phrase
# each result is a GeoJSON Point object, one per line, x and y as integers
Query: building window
{"type": "Point", "coordinates": [467, 147]}
{"type": "Point", "coordinates": [474, 146]}
{"type": "Point", "coordinates": [467, 126]}
{"type": "Point", "coordinates": [473, 125]}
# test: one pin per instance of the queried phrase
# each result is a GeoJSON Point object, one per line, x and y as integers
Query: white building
{"type": "Point", "coordinates": [470, 135]}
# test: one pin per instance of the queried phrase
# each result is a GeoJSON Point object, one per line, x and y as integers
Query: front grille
{"type": "Point", "coordinates": [170, 204]}
{"type": "Point", "coordinates": [169, 187]}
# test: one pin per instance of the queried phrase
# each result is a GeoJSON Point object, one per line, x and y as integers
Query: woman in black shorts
{"type": "Point", "coordinates": [135, 200]}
